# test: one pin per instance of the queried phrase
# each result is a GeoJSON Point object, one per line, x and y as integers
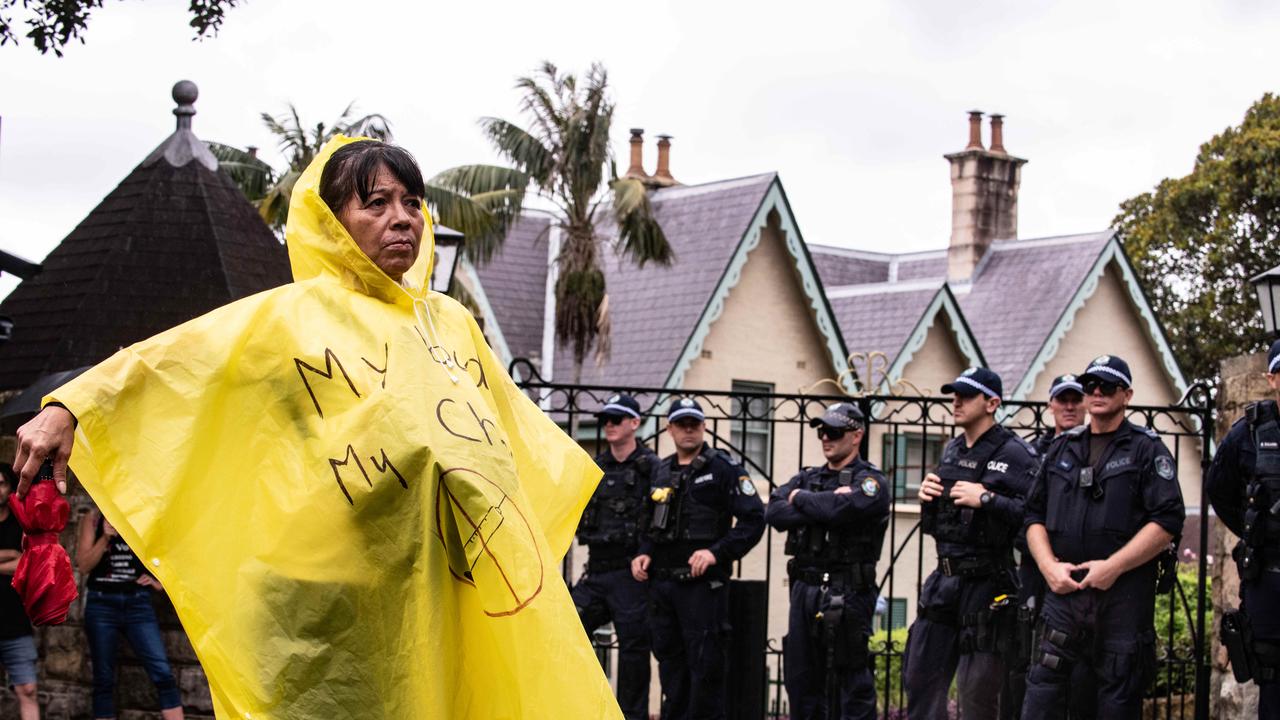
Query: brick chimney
{"type": "Point", "coordinates": [662, 176]}
{"type": "Point", "coordinates": [984, 197]}
{"type": "Point", "coordinates": [636, 171]}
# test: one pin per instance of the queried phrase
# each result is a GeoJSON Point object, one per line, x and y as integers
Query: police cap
{"type": "Point", "coordinates": [620, 405]}
{"type": "Point", "coordinates": [1065, 383]}
{"type": "Point", "coordinates": [685, 408]}
{"type": "Point", "coordinates": [975, 381]}
{"type": "Point", "coordinates": [841, 416]}
{"type": "Point", "coordinates": [1273, 358]}
{"type": "Point", "coordinates": [1108, 368]}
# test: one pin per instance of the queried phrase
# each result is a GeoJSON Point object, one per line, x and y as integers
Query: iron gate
{"type": "Point", "coordinates": [769, 433]}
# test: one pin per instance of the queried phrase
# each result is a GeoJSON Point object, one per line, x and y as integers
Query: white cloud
{"type": "Point", "coordinates": [854, 103]}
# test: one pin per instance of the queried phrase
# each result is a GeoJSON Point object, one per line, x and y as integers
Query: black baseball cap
{"type": "Point", "coordinates": [975, 381]}
{"type": "Point", "coordinates": [1065, 383]}
{"type": "Point", "coordinates": [684, 408]}
{"type": "Point", "coordinates": [841, 416]}
{"type": "Point", "coordinates": [620, 405]}
{"type": "Point", "coordinates": [1273, 358]}
{"type": "Point", "coordinates": [1108, 368]}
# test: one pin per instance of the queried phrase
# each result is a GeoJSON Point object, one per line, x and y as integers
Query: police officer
{"type": "Point", "coordinates": [1105, 504]}
{"type": "Point", "coordinates": [610, 528]}
{"type": "Point", "coordinates": [1244, 486]}
{"type": "Point", "coordinates": [835, 517]}
{"type": "Point", "coordinates": [687, 557]}
{"type": "Point", "coordinates": [972, 506]}
{"type": "Point", "coordinates": [1066, 401]}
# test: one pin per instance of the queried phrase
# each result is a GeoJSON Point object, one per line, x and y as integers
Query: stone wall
{"type": "Point", "coordinates": [1242, 383]}
{"type": "Point", "coordinates": [65, 681]}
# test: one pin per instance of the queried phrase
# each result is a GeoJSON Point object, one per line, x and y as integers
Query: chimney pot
{"type": "Point", "coordinates": [662, 176]}
{"type": "Point", "coordinates": [975, 130]}
{"type": "Point", "coordinates": [997, 133]}
{"type": "Point", "coordinates": [636, 171]}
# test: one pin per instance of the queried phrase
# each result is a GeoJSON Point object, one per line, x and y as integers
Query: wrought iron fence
{"type": "Point", "coordinates": [769, 433]}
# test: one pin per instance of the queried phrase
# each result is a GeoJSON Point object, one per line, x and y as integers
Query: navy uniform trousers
{"type": "Point", "coordinates": [805, 657]}
{"type": "Point", "coordinates": [1109, 630]}
{"type": "Point", "coordinates": [689, 622]}
{"type": "Point", "coordinates": [615, 594]}
{"type": "Point", "coordinates": [941, 646]}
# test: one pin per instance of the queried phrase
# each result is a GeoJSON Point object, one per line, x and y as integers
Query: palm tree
{"type": "Point", "coordinates": [268, 188]}
{"type": "Point", "coordinates": [564, 156]}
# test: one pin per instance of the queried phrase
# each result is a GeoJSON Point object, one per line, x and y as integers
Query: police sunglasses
{"type": "Point", "coordinates": [830, 433]}
{"type": "Point", "coordinates": [1108, 388]}
{"type": "Point", "coordinates": [612, 419]}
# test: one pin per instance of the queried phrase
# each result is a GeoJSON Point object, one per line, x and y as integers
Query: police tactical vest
{"type": "Point", "coordinates": [817, 546]}
{"type": "Point", "coordinates": [678, 515]}
{"type": "Point", "coordinates": [1262, 494]}
{"type": "Point", "coordinates": [951, 523]}
{"type": "Point", "coordinates": [616, 513]}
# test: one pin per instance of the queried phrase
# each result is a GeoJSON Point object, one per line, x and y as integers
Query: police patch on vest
{"type": "Point", "coordinates": [703, 478]}
{"type": "Point", "coordinates": [1000, 467]}
{"type": "Point", "coordinates": [1164, 467]}
{"type": "Point", "coordinates": [1268, 445]}
{"type": "Point", "coordinates": [870, 486]}
{"type": "Point", "coordinates": [747, 487]}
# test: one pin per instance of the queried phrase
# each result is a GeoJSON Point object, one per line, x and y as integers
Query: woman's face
{"type": "Point", "coordinates": [387, 226]}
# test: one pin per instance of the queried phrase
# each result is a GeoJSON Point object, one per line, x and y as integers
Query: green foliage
{"type": "Point", "coordinates": [54, 23]}
{"type": "Point", "coordinates": [1175, 635]}
{"type": "Point", "coordinates": [1195, 241]}
{"type": "Point", "coordinates": [563, 154]}
{"type": "Point", "coordinates": [270, 189]}
{"type": "Point", "coordinates": [886, 656]}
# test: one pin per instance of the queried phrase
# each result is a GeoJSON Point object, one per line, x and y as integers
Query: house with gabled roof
{"type": "Point", "coordinates": [749, 305]}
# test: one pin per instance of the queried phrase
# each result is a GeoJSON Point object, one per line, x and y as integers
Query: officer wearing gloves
{"type": "Point", "coordinates": [687, 557]}
{"type": "Point", "coordinates": [1105, 504]}
{"type": "Point", "coordinates": [835, 518]}
{"type": "Point", "coordinates": [972, 506]}
{"type": "Point", "coordinates": [610, 529]}
{"type": "Point", "coordinates": [1244, 486]}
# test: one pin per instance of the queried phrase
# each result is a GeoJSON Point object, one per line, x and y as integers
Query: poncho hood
{"type": "Point", "coordinates": [320, 247]}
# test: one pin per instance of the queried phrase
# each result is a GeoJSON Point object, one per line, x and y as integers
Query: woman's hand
{"type": "Point", "coordinates": [47, 436]}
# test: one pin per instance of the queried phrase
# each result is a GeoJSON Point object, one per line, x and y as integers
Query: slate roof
{"type": "Point", "coordinates": [839, 266]}
{"type": "Point", "coordinates": [658, 306]}
{"type": "Point", "coordinates": [171, 242]}
{"type": "Point", "coordinates": [881, 319]}
{"type": "Point", "coordinates": [1010, 304]}
{"type": "Point", "coordinates": [515, 280]}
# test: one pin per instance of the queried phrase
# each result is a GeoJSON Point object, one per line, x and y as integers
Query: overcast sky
{"type": "Point", "coordinates": [854, 104]}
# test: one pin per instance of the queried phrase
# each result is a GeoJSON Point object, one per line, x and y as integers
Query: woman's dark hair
{"type": "Point", "coordinates": [353, 168]}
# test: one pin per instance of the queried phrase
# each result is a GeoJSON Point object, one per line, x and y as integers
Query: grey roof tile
{"type": "Point", "coordinates": [881, 319]}
{"type": "Point", "coordinates": [515, 280]}
{"type": "Point", "coordinates": [1021, 290]}
{"type": "Point", "coordinates": [838, 266]}
{"type": "Point", "coordinates": [655, 308]}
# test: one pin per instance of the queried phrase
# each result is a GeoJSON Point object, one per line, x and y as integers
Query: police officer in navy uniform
{"type": "Point", "coordinates": [610, 529]}
{"type": "Point", "coordinates": [1066, 403]}
{"type": "Point", "coordinates": [1243, 484]}
{"type": "Point", "coordinates": [835, 517]}
{"type": "Point", "coordinates": [1105, 505]}
{"type": "Point", "coordinates": [972, 506]}
{"type": "Point", "coordinates": [687, 557]}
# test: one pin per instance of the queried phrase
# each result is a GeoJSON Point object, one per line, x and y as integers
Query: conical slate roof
{"type": "Point", "coordinates": [174, 240]}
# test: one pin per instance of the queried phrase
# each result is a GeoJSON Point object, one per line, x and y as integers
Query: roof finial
{"type": "Point", "coordinates": [185, 93]}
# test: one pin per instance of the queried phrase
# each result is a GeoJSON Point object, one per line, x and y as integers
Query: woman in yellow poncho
{"type": "Point", "coordinates": [354, 510]}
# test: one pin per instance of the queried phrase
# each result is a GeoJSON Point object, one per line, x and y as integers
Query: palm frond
{"type": "Point", "coordinates": [526, 152]}
{"type": "Point", "coordinates": [248, 172]}
{"type": "Point", "coordinates": [640, 236]}
{"type": "Point", "coordinates": [476, 179]}
{"type": "Point", "coordinates": [483, 229]}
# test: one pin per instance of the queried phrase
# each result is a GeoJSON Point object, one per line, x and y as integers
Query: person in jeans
{"type": "Point", "coordinates": [118, 600]}
{"type": "Point", "coordinates": [17, 647]}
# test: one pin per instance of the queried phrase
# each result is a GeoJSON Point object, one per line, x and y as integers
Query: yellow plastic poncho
{"type": "Point", "coordinates": [345, 530]}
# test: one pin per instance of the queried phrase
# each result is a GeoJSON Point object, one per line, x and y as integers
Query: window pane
{"type": "Point", "coordinates": [750, 431]}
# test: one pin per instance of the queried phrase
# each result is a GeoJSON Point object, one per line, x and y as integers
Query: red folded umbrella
{"type": "Point", "coordinates": [43, 577]}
